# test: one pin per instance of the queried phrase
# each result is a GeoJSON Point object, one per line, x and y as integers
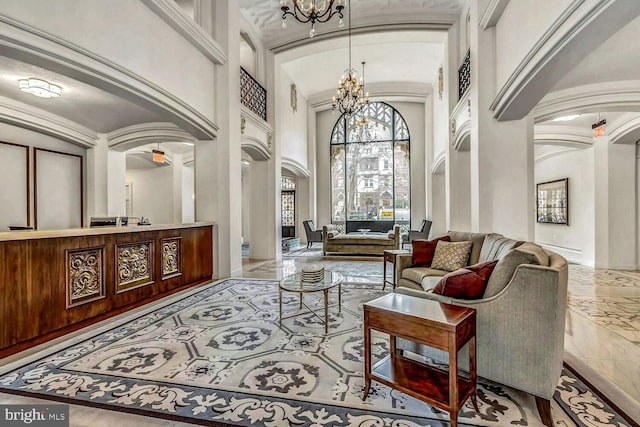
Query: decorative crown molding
{"type": "Point", "coordinates": [438, 163]}
{"type": "Point", "coordinates": [379, 91]}
{"type": "Point", "coordinates": [173, 15]}
{"type": "Point", "coordinates": [256, 148]}
{"type": "Point", "coordinates": [569, 136]}
{"type": "Point", "coordinates": [295, 166]}
{"type": "Point", "coordinates": [623, 127]}
{"type": "Point", "coordinates": [105, 74]}
{"type": "Point", "coordinates": [128, 137]}
{"type": "Point", "coordinates": [254, 119]}
{"type": "Point", "coordinates": [28, 117]}
{"type": "Point", "coordinates": [608, 96]}
{"type": "Point", "coordinates": [520, 92]}
{"type": "Point", "coordinates": [492, 13]}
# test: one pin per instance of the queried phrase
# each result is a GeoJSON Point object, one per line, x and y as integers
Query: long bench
{"type": "Point", "coordinates": [361, 244]}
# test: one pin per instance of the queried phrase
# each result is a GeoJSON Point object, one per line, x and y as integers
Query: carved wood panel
{"type": "Point", "coordinates": [134, 265]}
{"type": "Point", "coordinates": [84, 276]}
{"type": "Point", "coordinates": [171, 257]}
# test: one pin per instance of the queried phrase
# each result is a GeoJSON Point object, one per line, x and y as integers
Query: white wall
{"type": "Point", "coordinates": [414, 115]}
{"type": "Point", "coordinates": [460, 190]}
{"type": "Point", "coordinates": [438, 228]}
{"type": "Point", "coordinates": [576, 241]}
{"type": "Point", "coordinates": [129, 34]}
{"type": "Point", "coordinates": [34, 139]}
{"type": "Point", "coordinates": [516, 36]}
{"type": "Point", "coordinates": [152, 193]}
{"type": "Point", "coordinates": [188, 201]}
{"type": "Point", "coordinates": [14, 190]}
{"type": "Point", "coordinates": [292, 125]}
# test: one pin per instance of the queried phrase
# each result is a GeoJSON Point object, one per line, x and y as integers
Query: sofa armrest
{"type": "Point", "coordinates": [402, 262]}
{"type": "Point", "coordinates": [424, 295]}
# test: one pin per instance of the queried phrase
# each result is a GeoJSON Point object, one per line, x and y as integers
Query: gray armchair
{"type": "Point", "coordinates": [313, 235]}
{"type": "Point", "coordinates": [421, 233]}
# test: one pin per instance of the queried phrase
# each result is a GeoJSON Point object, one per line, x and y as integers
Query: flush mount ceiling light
{"type": "Point", "coordinates": [311, 11]}
{"type": "Point", "coordinates": [566, 118]}
{"type": "Point", "coordinates": [40, 88]}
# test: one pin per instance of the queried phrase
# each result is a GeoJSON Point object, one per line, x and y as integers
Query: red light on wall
{"type": "Point", "coordinates": [158, 156]}
{"type": "Point", "coordinates": [599, 131]}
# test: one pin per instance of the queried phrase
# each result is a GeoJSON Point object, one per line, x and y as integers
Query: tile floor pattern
{"type": "Point", "coordinates": [597, 332]}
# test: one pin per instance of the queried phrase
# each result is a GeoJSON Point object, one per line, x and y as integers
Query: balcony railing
{"type": "Point", "coordinates": [464, 75]}
{"type": "Point", "coordinates": [252, 94]}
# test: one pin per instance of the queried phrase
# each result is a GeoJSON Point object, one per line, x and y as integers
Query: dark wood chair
{"type": "Point", "coordinates": [313, 235]}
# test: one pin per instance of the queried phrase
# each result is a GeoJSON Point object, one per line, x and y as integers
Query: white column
{"type": "Point", "coordinates": [615, 205]}
{"type": "Point", "coordinates": [266, 223]}
{"type": "Point", "coordinates": [502, 164]}
{"type": "Point", "coordinates": [176, 171]}
{"type": "Point", "coordinates": [217, 164]}
{"type": "Point", "coordinates": [116, 183]}
{"type": "Point", "coordinates": [97, 173]}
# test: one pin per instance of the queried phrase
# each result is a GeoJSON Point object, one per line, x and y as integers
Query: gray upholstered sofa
{"type": "Point", "coordinates": [363, 244]}
{"type": "Point", "coordinates": [520, 319]}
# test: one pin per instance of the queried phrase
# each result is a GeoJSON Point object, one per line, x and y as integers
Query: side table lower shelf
{"type": "Point", "coordinates": [421, 381]}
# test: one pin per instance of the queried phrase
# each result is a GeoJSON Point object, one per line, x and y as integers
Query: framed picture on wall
{"type": "Point", "coordinates": [552, 201]}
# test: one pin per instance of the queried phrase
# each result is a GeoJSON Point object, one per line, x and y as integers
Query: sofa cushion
{"type": "Point", "coordinates": [461, 284]}
{"type": "Point", "coordinates": [451, 256]}
{"type": "Point", "coordinates": [496, 246]}
{"type": "Point", "coordinates": [476, 238]}
{"type": "Point", "coordinates": [416, 274]}
{"type": "Point", "coordinates": [361, 239]}
{"type": "Point", "coordinates": [423, 250]}
{"type": "Point", "coordinates": [430, 282]}
{"type": "Point", "coordinates": [527, 253]}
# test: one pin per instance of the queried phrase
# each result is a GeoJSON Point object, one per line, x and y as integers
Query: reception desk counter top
{"type": "Point", "coordinates": [55, 282]}
{"type": "Point", "coordinates": [94, 231]}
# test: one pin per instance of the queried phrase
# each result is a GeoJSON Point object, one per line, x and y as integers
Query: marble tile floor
{"type": "Point", "coordinates": [602, 328]}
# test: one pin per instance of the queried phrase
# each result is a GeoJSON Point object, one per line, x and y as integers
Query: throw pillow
{"type": "Point", "coordinates": [461, 284]}
{"type": "Point", "coordinates": [423, 250]}
{"type": "Point", "coordinates": [450, 256]}
{"type": "Point", "coordinates": [483, 269]}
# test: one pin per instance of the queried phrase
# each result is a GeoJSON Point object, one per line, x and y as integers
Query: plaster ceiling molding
{"type": "Point", "coordinates": [381, 91]}
{"type": "Point", "coordinates": [544, 152]}
{"type": "Point", "coordinates": [461, 123]}
{"type": "Point", "coordinates": [144, 133]}
{"type": "Point", "coordinates": [142, 158]}
{"type": "Point", "coordinates": [492, 13]}
{"type": "Point", "coordinates": [295, 167]}
{"type": "Point", "coordinates": [369, 15]}
{"type": "Point", "coordinates": [34, 46]}
{"type": "Point", "coordinates": [29, 117]}
{"type": "Point", "coordinates": [439, 163]}
{"type": "Point", "coordinates": [563, 135]}
{"type": "Point", "coordinates": [253, 119]}
{"type": "Point", "coordinates": [255, 148]}
{"type": "Point", "coordinates": [625, 129]}
{"type": "Point", "coordinates": [174, 15]}
{"type": "Point", "coordinates": [593, 98]}
{"type": "Point", "coordinates": [316, 68]}
{"type": "Point", "coordinates": [579, 30]}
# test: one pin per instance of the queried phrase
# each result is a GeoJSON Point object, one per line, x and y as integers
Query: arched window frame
{"type": "Point", "coordinates": [341, 136]}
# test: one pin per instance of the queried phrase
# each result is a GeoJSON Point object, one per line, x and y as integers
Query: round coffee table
{"type": "Point", "coordinates": [294, 283]}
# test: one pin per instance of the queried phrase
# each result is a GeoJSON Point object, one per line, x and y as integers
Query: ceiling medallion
{"type": "Point", "coordinates": [350, 96]}
{"type": "Point", "coordinates": [39, 88]}
{"type": "Point", "coordinates": [311, 11]}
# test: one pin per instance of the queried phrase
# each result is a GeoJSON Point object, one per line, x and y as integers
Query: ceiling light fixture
{"type": "Point", "coordinates": [312, 11]}
{"type": "Point", "coordinates": [350, 96]}
{"type": "Point", "coordinates": [566, 118]}
{"type": "Point", "coordinates": [40, 88]}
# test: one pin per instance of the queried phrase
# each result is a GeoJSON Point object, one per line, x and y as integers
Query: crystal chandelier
{"type": "Point", "coordinates": [311, 11]}
{"type": "Point", "coordinates": [350, 96]}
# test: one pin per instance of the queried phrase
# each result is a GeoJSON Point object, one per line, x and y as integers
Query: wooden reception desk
{"type": "Point", "coordinates": [54, 282]}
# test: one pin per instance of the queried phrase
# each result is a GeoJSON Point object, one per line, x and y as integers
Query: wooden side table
{"type": "Point", "coordinates": [443, 326]}
{"type": "Point", "coordinates": [390, 256]}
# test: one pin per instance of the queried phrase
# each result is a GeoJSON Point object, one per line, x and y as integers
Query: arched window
{"type": "Point", "coordinates": [370, 165]}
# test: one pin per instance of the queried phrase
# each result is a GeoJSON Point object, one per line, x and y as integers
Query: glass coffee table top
{"type": "Point", "coordinates": [294, 282]}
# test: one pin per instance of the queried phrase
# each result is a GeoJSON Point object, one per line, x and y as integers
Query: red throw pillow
{"type": "Point", "coordinates": [423, 250]}
{"type": "Point", "coordinates": [466, 283]}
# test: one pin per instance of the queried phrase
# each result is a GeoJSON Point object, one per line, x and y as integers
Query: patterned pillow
{"type": "Point", "coordinates": [450, 256]}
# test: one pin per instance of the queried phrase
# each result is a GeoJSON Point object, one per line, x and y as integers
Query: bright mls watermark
{"type": "Point", "coordinates": [34, 415]}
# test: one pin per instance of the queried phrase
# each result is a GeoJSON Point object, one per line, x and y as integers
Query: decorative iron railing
{"type": "Point", "coordinates": [252, 94]}
{"type": "Point", "coordinates": [464, 75]}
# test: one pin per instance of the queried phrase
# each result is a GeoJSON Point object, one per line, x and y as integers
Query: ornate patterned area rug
{"type": "Point", "coordinates": [219, 357]}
